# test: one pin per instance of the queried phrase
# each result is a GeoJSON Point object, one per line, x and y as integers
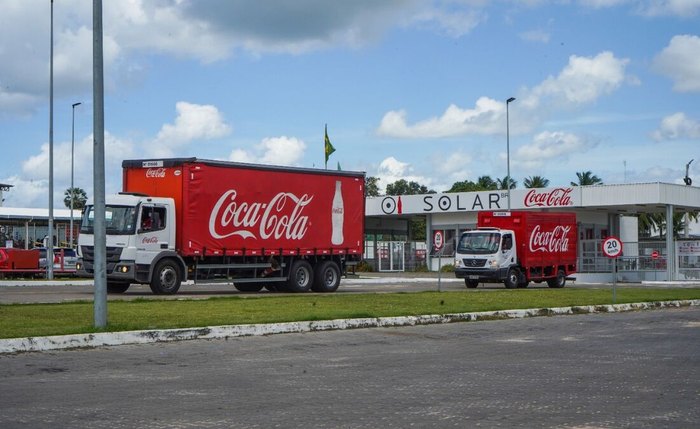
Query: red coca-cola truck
{"type": "Point", "coordinates": [282, 228]}
{"type": "Point", "coordinates": [516, 247]}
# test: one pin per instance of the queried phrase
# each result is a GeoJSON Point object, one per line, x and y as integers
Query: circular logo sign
{"type": "Point", "coordinates": [612, 247]}
{"type": "Point", "coordinates": [655, 254]}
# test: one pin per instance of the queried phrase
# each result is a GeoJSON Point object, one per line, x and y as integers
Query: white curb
{"type": "Point", "coordinates": [34, 344]}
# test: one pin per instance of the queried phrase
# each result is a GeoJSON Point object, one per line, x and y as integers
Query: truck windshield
{"type": "Point", "coordinates": [479, 242]}
{"type": "Point", "coordinates": [119, 220]}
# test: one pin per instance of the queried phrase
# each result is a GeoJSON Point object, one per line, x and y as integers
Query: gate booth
{"type": "Point", "coordinates": [392, 255]}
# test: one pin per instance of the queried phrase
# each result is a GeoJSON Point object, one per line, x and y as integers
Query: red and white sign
{"type": "Point", "coordinates": [655, 254]}
{"type": "Point", "coordinates": [612, 247]}
{"type": "Point", "coordinates": [438, 239]}
{"type": "Point", "coordinates": [557, 197]}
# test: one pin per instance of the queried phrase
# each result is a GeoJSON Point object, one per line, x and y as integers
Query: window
{"type": "Point", "coordinates": [152, 218]}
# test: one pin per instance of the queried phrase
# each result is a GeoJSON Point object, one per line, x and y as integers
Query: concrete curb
{"type": "Point", "coordinates": [62, 342]}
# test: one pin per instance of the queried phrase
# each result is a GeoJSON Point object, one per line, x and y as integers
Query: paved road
{"type": "Point", "coordinates": [631, 370]}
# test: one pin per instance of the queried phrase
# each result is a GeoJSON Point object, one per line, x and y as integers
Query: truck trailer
{"type": "Point", "coordinates": [256, 226]}
{"type": "Point", "coordinates": [516, 247]}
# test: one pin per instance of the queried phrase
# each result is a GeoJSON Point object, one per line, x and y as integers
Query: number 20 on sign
{"type": "Point", "coordinates": [612, 247]}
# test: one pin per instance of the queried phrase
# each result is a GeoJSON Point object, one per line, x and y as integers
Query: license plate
{"type": "Point", "coordinates": [473, 277]}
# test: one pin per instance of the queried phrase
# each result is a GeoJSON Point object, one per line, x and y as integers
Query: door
{"type": "Point", "coordinates": [153, 233]}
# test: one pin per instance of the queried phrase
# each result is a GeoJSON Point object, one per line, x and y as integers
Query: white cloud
{"type": "Point", "coordinates": [581, 82]}
{"type": "Point", "coordinates": [454, 23]}
{"type": "Point", "coordinates": [680, 61]}
{"type": "Point", "coordinates": [281, 150]}
{"type": "Point", "coordinates": [485, 118]}
{"type": "Point", "coordinates": [551, 145]}
{"type": "Point", "coordinates": [193, 122]}
{"type": "Point", "coordinates": [677, 126]}
{"type": "Point", "coordinates": [391, 169]}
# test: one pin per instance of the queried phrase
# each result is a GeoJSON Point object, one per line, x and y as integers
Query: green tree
{"type": "Point", "coordinates": [586, 178]}
{"type": "Point", "coordinates": [506, 183]}
{"type": "Point", "coordinates": [486, 183]}
{"type": "Point", "coordinates": [404, 187]}
{"type": "Point", "coordinates": [79, 198]}
{"type": "Point", "coordinates": [536, 182]}
{"type": "Point", "coordinates": [371, 186]}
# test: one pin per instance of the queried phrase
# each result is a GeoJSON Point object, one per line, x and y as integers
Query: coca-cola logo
{"type": "Point", "coordinates": [282, 216]}
{"type": "Point", "coordinates": [155, 173]}
{"type": "Point", "coordinates": [557, 197]}
{"type": "Point", "coordinates": [149, 240]}
{"type": "Point", "coordinates": [554, 241]}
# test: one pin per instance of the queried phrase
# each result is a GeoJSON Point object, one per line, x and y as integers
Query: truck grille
{"type": "Point", "coordinates": [474, 263]}
{"type": "Point", "coordinates": [113, 253]}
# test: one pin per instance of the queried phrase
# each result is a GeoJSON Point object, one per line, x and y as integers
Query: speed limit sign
{"type": "Point", "coordinates": [438, 239]}
{"type": "Point", "coordinates": [612, 247]}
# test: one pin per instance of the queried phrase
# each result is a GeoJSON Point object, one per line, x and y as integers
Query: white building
{"type": "Point", "coordinates": [601, 211]}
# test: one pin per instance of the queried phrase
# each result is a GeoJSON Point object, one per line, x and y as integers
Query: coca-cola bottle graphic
{"type": "Point", "coordinates": [337, 216]}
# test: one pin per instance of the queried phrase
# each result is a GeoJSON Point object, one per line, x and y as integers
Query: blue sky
{"type": "Point", "coordinates": [410, 90]}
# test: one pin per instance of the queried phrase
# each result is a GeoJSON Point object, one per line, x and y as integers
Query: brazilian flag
{"type": "Point", "coordinates": [329, 149]}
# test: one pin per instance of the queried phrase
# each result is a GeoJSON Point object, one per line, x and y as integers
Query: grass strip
{"type": "Point", "coordinates": [29, 320]}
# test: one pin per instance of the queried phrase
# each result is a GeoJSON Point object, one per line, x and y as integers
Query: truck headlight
{"type": "Point", "coordinates": [493, 264]}
{"type": "Point", "coordinates": [458, 263]}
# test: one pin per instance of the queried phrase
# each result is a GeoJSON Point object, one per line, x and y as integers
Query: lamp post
{"type": "Point", "coordinates": [508, 181]}
{"type": "Point", "coordinates": [72, 158]}
{"type": "Point", "coordinates": [49, 245]}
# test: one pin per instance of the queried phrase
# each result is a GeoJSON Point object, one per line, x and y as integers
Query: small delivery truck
{"type": "Point", "coordinates": [517, 247]}
{"type": "Point", "coordinates": [255, 226]}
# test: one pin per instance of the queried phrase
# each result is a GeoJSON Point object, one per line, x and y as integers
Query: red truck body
{"type": "Point", "coordinates": [252, 209]}
{"type": "Point", "coordinates": [516, 247]}
{"type": "Point", "coordinates": [543, 238]}
{"type": "Point", "coordinates": [19, 259]}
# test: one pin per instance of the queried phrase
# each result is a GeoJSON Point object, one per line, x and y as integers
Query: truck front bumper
{"type": "Point", "coordinates": [482, 274]}
{"type": "Point", "coordinates": [120, 271]}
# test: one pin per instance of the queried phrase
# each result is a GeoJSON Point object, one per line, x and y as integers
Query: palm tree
{"type": "Point", "coordinates": [486, 183]}
{"type": "Point", "coordinates": [536, 182]}
{"type": "Point", "coordinates": [506, 183]}
{"type": "Point", "coordinates": [586, 178]}
{"type": "Point", "coordinates": [79, 198]}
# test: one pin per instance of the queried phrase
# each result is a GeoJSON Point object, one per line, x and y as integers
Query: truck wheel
{"type": "Point", "coordinates": [326, 277]}
{"type": "Point", "coordinates": [166, 278]}
{"type": "Point", "coordinates": [471, 284]}
{"type": "Point", "coordinates": [512, 279]}
{"type": "Point", "coordinates": [559, 281]}
{"type": "Point", "coordinates": [300, 277]}
{"type": "Point", "coordinates": [249, 287]}
{"type": "Point", "coordinates": [117, 287]}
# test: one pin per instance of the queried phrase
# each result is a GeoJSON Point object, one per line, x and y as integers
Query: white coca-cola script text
{"type": "Point", "coordinates": [554, 241]}
{"type": "Point", "coordinates": [156, 173]}
{"type": "Point", "coordinates": [281, 217]}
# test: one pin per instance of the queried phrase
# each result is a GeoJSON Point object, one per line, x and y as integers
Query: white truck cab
{"type": "Point", "coordinates": [485, 254]}
{"type": "Point", "coordinates": [140, 231]}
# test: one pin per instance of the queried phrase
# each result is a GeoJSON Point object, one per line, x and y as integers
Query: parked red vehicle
{"type": "Point", "coordinates": [17, 262]}
{"type": "Point", "coordinates": [516, 247]}
{"type": "Point", "coordinates": [256, 226]}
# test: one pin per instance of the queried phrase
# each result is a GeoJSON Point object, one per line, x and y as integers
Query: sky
{"type": "Point", "coordinates": [409, 89]}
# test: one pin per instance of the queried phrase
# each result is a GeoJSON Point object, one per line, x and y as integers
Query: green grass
{"type": "Point", "coordinates": [28, 320]}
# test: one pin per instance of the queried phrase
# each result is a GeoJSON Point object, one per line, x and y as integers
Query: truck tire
{"type": "Point", "coordinates": [166, 278]}
{"type": "Point", "coordinates": [326, 277]}
{"type": "Point", "coordinates": [117, 287]}
{"type": "Point", "coordinates": [248, 287]}
{"type": "Point", "coordinates": [512, 279]}
{"type": "Point", "coordinates": [559, 281]}
{"type": "Point", "coordinates": [301, 277]}
{"type": "Point", "coordinates": [471, 284]}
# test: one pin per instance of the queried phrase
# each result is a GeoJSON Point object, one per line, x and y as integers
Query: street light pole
{"type": "Point", "coordinates": [49, 245]}
{"type": "Point", "coordinates": [72, 158]}
{"type": "Point", "coordinates": [508, 181]}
